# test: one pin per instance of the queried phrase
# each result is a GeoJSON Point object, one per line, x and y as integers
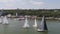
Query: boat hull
{"type": "Point", "coordinates": [39, 30]}
{"type": "Point", "coordinates": [35, 26]}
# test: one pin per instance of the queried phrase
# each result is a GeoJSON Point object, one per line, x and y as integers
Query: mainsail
{"type": "Point", "coordinates": [26, 25]}
{"type": "Point", "coordinates": [16, 14]}
{"type": "Point", "coordinates": [0, 19]}
{"type": "Point", "coordinates": [43, 26]}
{"type": "Point", "coordinates": [35, 23]}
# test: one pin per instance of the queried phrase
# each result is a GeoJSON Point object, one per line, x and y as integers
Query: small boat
{"type": "Point", "coordinates": [42, 27]}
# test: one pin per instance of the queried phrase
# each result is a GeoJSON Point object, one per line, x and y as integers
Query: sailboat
{"type": "Point", "coordinates": [35, 24]}
{"type": "Point", "coordinates": [43, 26]}
{"type": "Point", "coordinates": [16, 16]}
{"type": "Point", "coordinates": [0, 20]}
{"type": "Point", "coordinates": [26, 25]}
{"type": "Point", "coordinates": [5, 20]}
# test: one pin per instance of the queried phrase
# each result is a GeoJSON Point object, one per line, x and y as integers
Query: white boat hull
{"type": "Point", "coordinates": [35, 26]}
{"type": "Point", "coordinates": [41, 30]}
{"type": "Point", "coordinates": [4, 23]}
{"type": "Point", "coordinates": [26, 27]}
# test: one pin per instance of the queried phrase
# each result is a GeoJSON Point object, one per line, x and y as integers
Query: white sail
{"type": "Point", "coordinates": [42, 26]}
{"type": "Point", "coordinates": [0, 20]}
{"type": "Point", "coordinates": [35, 23]}
{"type": "Point", "coordinates": [26, 25]}
{"type": "Point", "coordinates": [5, 20]}
{"type": "Point", "coordinates": [16, 14]}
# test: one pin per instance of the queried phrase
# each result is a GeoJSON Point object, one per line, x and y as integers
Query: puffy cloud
{"type": "Point", "coordinates": [5, 1]}
{"type": "Point", "coordinates": [37, 3]}
{"type": "Point", "coordinates": [20, 4]}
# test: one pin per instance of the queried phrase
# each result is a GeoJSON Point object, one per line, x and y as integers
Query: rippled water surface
{"type": "Point", "coordinates": [15, 27]}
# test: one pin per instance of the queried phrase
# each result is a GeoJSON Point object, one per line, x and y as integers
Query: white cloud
{"type": "Point", "coordinates": [37, 2]}
{"type": "Point", "coordinates": [9, 5]}
{"type": "Point", "coordinates": [5, 1]}
{"type": "Point", "coordinates": [20, 4]}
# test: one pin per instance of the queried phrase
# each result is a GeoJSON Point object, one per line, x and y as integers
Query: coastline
{"type": "Point", "coordinates": [39, 18]}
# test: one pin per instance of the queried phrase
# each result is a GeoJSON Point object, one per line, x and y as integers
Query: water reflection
{"type": "Point", "coordinates": [25, 31]}
{"type": "Point", "coordinates": [15, 27]}
{"type": "Point", "coordinates": [5, 29]}
{"type": "Point", "coordinates": [42, 32]}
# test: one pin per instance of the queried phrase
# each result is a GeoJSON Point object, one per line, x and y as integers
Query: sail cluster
{"type": "Point", "coordinates": [42, 26]}
{"type": "Point", "coordinates": [3, 20]}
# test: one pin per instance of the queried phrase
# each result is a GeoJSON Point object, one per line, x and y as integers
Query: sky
{"type": "Point", "coordinates": [30, 4]}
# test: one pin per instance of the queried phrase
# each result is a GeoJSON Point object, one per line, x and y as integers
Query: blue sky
{"type": "Point", "coordinates": [30, 4]}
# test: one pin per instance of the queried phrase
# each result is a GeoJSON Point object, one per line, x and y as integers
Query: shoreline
{"type": "Point", "coordinates": [39, 18]}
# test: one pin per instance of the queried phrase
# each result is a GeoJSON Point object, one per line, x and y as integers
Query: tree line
{"type": "Point", "coordinates": [37, 12]}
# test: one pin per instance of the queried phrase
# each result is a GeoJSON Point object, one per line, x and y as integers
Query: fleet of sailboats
{"type": "Point", "coordinates": [3, 20]}
{"type": "Point", "coordinates": [41, 27]}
